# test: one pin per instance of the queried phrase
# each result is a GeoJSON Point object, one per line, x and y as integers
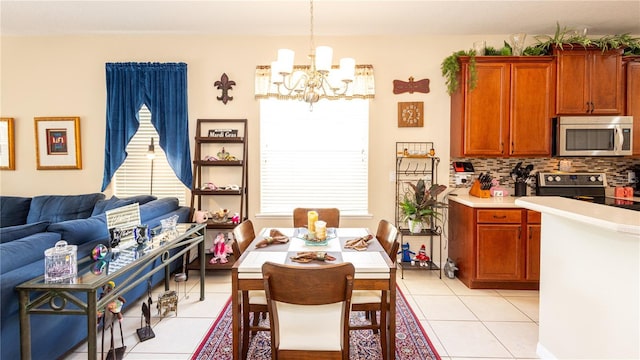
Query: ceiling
{"type": "Point", "coordinates": [332, 17]}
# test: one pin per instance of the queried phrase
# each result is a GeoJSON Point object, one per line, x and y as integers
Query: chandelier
{"type": "Point", "coordinates": [318, 79]}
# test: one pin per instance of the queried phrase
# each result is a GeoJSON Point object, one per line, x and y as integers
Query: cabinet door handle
{"type": "Point", "coordinates": [588, 107]}
{"type": "Point", "coordinates": [513, 148]}
{"type": "Point", "coordinates": [593, 107]}
{"type": "Point", "coordinates": [519, 231]}
{"type": "Point", "coordinates": [500, 217]}
{"type": "Point", "coordinates": [501, 148]}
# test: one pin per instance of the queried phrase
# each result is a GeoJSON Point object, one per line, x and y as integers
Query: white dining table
{"type": "Point", "coordinates": [374, 271]}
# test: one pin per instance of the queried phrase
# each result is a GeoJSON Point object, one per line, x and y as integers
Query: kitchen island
{"type": "Point", "coordinates": [589, 279]}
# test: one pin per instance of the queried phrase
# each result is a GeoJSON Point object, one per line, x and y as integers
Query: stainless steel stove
{"type": "Point", "coordinates": [580, 186]}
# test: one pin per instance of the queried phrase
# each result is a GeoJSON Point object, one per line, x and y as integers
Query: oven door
{"type": "Point", "coordinates": [594, 140]}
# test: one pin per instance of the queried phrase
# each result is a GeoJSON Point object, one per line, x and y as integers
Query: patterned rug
{"type": "Point", "coordinates": [412, 342]}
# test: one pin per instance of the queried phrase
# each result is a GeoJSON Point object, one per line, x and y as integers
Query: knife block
{"type": "Point", "coordinates": [477, 191]}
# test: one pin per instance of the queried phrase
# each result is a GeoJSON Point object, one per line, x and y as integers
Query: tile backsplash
{"type": "Point", "coordinates": [615, 167]}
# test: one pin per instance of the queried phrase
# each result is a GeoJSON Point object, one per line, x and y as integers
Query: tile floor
{"type": "Point", "coordinates": [460, 322]}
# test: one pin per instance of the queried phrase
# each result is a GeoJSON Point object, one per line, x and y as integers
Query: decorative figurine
{"type": "Point", "coordinates": [235, 219]}
{"type": "Point", "coordinates": [450, 268]}
{"type": "Point", "coordinates": [108, 317]}
{"type": "Point", "coordinates": [115, 235]}
{"type": "Point", "coordinates": [145, 332]}
{"type": "Point", "coordinates": [422, 257]}
{"type": "Point", "coordinates": [406, 253]}
{"type": "Point", "coordinates": [220, 250]}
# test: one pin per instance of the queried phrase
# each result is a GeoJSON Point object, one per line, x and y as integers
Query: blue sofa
{"type": "Point", "coordinates": [32, 225]}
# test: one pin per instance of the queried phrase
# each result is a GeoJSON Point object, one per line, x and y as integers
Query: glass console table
{"type": "Point", "coordinates": [133, 260]}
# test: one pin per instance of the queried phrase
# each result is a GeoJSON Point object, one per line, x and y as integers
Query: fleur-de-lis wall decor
{"type": "Point", "coordinates": [225, 85]}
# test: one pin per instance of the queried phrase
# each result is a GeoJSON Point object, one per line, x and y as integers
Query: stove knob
{"type": "Point", "coordinates": [592, 178]}
{"type": "Point", "coordinates": [600, 178]}
{"type": "Point", "coordinates": [550, 178]}
{"type": "Point", "coordinates": [558, 178]}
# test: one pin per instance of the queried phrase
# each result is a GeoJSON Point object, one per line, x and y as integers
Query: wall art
{"type": "Point", "coordinates": [7, 147]}
{"type": "Point", "coordinates": [58, 143]}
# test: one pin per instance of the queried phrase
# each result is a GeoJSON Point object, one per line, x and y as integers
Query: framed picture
{"type": "Point", "coordinates": [58, 143]}
{"type": "Point", "coordinates": [411, 114]}
{"type": "Point", "coordinates": [7, 147]}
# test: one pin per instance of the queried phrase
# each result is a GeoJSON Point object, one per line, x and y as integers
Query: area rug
{"type": "Point", "coordinates": [412, 342]}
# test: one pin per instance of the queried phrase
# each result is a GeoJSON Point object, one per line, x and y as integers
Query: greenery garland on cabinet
{"type": "Point", "coordinates": [563, 37]}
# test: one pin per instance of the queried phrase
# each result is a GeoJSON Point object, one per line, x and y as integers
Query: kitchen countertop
{"type": "Point", "coordinates": [476, 202]}
{"type": "Point", "coordinates": [608, 217]}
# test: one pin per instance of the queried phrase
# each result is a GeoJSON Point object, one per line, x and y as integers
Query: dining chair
{"type": "Point", "coordinates": [253, 301]}
{"type": "Point", "coordinates": [372, 301]}
{"type": "Point", "coordinates": [309, 308]}
{"type": "Point", "coordinates": [330, 215]}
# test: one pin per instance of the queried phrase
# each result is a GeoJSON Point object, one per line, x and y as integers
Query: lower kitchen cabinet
{"type": "Point", "coordinates": [495, 248]}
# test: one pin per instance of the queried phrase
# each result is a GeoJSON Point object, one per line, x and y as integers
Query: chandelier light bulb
{"type": "Point", "coordinates": [285, 61]}
{"type": "Point", "coordinates": [324, 55]}
{"type": "Point", "coordinates": [348, 69]}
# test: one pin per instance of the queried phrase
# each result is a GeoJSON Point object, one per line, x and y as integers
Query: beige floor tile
{"type": "Point", "coordinates": [527, 304]}
{"type": "Point", "coordinates": [468, 339]}
{"type": "Point", "coordinates": [493, 308]}
{"type": "Point", "coordinates": [438, 307]}
{"type": "Point", "coordinates": [520, 338]}
{"type": "Point", "coordinates": [175, 336]}
{"type": "Point", "coordinates": [433, 338]}
{"type": "Point", "coordinates": [427, 287]}
{"type": "Point", "coordinates": [506, 292]}
{"type": "Point", "coordinates": [459, 288]}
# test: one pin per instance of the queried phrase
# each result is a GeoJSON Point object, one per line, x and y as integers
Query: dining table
{"type": "Point", "coordinates": [374, 270]}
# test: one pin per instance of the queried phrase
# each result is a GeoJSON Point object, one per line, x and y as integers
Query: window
{"type": "Point", "coordinates": [133, 177]}
{"type": "Point", "coordinates": [314, 158]}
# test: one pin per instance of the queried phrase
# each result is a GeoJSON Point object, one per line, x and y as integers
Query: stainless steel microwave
{"type": "Point", "coordinates": [593, 136]}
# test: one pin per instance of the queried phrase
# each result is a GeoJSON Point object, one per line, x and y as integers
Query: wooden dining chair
{"type": "Point", "coordinates": [253, 301]}
{"type": "Point", "coordinates": [372, 301]}
{"type": "Point", "coordinates": [330, 215]}
{"type": "Point", "coordinates": [309, 308]}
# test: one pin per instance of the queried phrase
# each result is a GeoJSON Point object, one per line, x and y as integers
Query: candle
{"type": "Point", "coordinates": [312, 217]}
{"type": "Point", "coordinates": [321, 230]}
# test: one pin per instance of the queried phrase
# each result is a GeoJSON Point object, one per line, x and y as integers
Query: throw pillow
{"type": "Point", "coordinates": [14, 210]}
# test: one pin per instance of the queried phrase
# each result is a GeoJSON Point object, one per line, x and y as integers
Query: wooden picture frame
{"type": "Point", "coordinates": [7, 146]}
{"type": "Point", "coordinates": [411, 114]}
{"type": "Point", "coordinates": [58, 143]}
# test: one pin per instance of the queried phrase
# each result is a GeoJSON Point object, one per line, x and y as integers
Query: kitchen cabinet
{"type": "Point", "coordinates": [589, 81]}
{"type": "Point", "coordinates": [632, 98]}
{"type": "Point", "coordinates": [509, 111]}
{"type": "Point", "coordinates": [494, 248]}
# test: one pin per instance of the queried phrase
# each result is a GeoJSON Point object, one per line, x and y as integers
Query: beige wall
{"type": "Point", "coordinates": [65, 76]}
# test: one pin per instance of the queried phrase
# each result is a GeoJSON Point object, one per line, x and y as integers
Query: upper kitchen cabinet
{"type": "Point", "coordinates": [632, 70]}
{"type": "Point", "coordinates": [589, 81]}
{"type": "Point", "coordinates": [509, 111]}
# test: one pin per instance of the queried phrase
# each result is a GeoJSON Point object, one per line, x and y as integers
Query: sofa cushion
{"type": "Point", "coordinates": [156, 208]}
{"type": "Point", "coordinates": [80, 231]}
{"type": "Point", "coordinates": [141, 199]}
{"type": "Point", "coordinates": [19, 231]}
{"type": "Point", "coordinates": [56, 208]}
{"type": "Point", "coordinates": [14, 210]}
{"type": "Point", "coordinates": [112, 203]}
{"type": "Point", "coordinates": [18, 253]}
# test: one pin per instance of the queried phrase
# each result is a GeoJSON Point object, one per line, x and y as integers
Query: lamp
{"type": "Point", "coordinates": [316, 80]}
{"type": "Point", "coordinates": [151, 154]}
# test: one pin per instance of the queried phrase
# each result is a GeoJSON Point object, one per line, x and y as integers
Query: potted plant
{"type": "Point", "coordinates": [420, 205]}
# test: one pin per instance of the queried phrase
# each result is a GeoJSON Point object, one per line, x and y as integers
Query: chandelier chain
{"type": "Point", "coordinates": [312, 42]}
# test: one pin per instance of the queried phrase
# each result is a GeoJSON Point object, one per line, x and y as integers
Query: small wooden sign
{"type": "Point", "coordinates": [411, 86]}
{"type": "Point", "coordinates": [223, 133]}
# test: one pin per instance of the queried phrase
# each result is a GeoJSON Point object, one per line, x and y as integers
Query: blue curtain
{"type": "Point", "coordinates": [163, 89]}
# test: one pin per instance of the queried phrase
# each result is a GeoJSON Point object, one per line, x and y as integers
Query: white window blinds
{"type": "Point", "coordinates": [134, 175]}
{"type": "Point", "coordinates": [314, 158]}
